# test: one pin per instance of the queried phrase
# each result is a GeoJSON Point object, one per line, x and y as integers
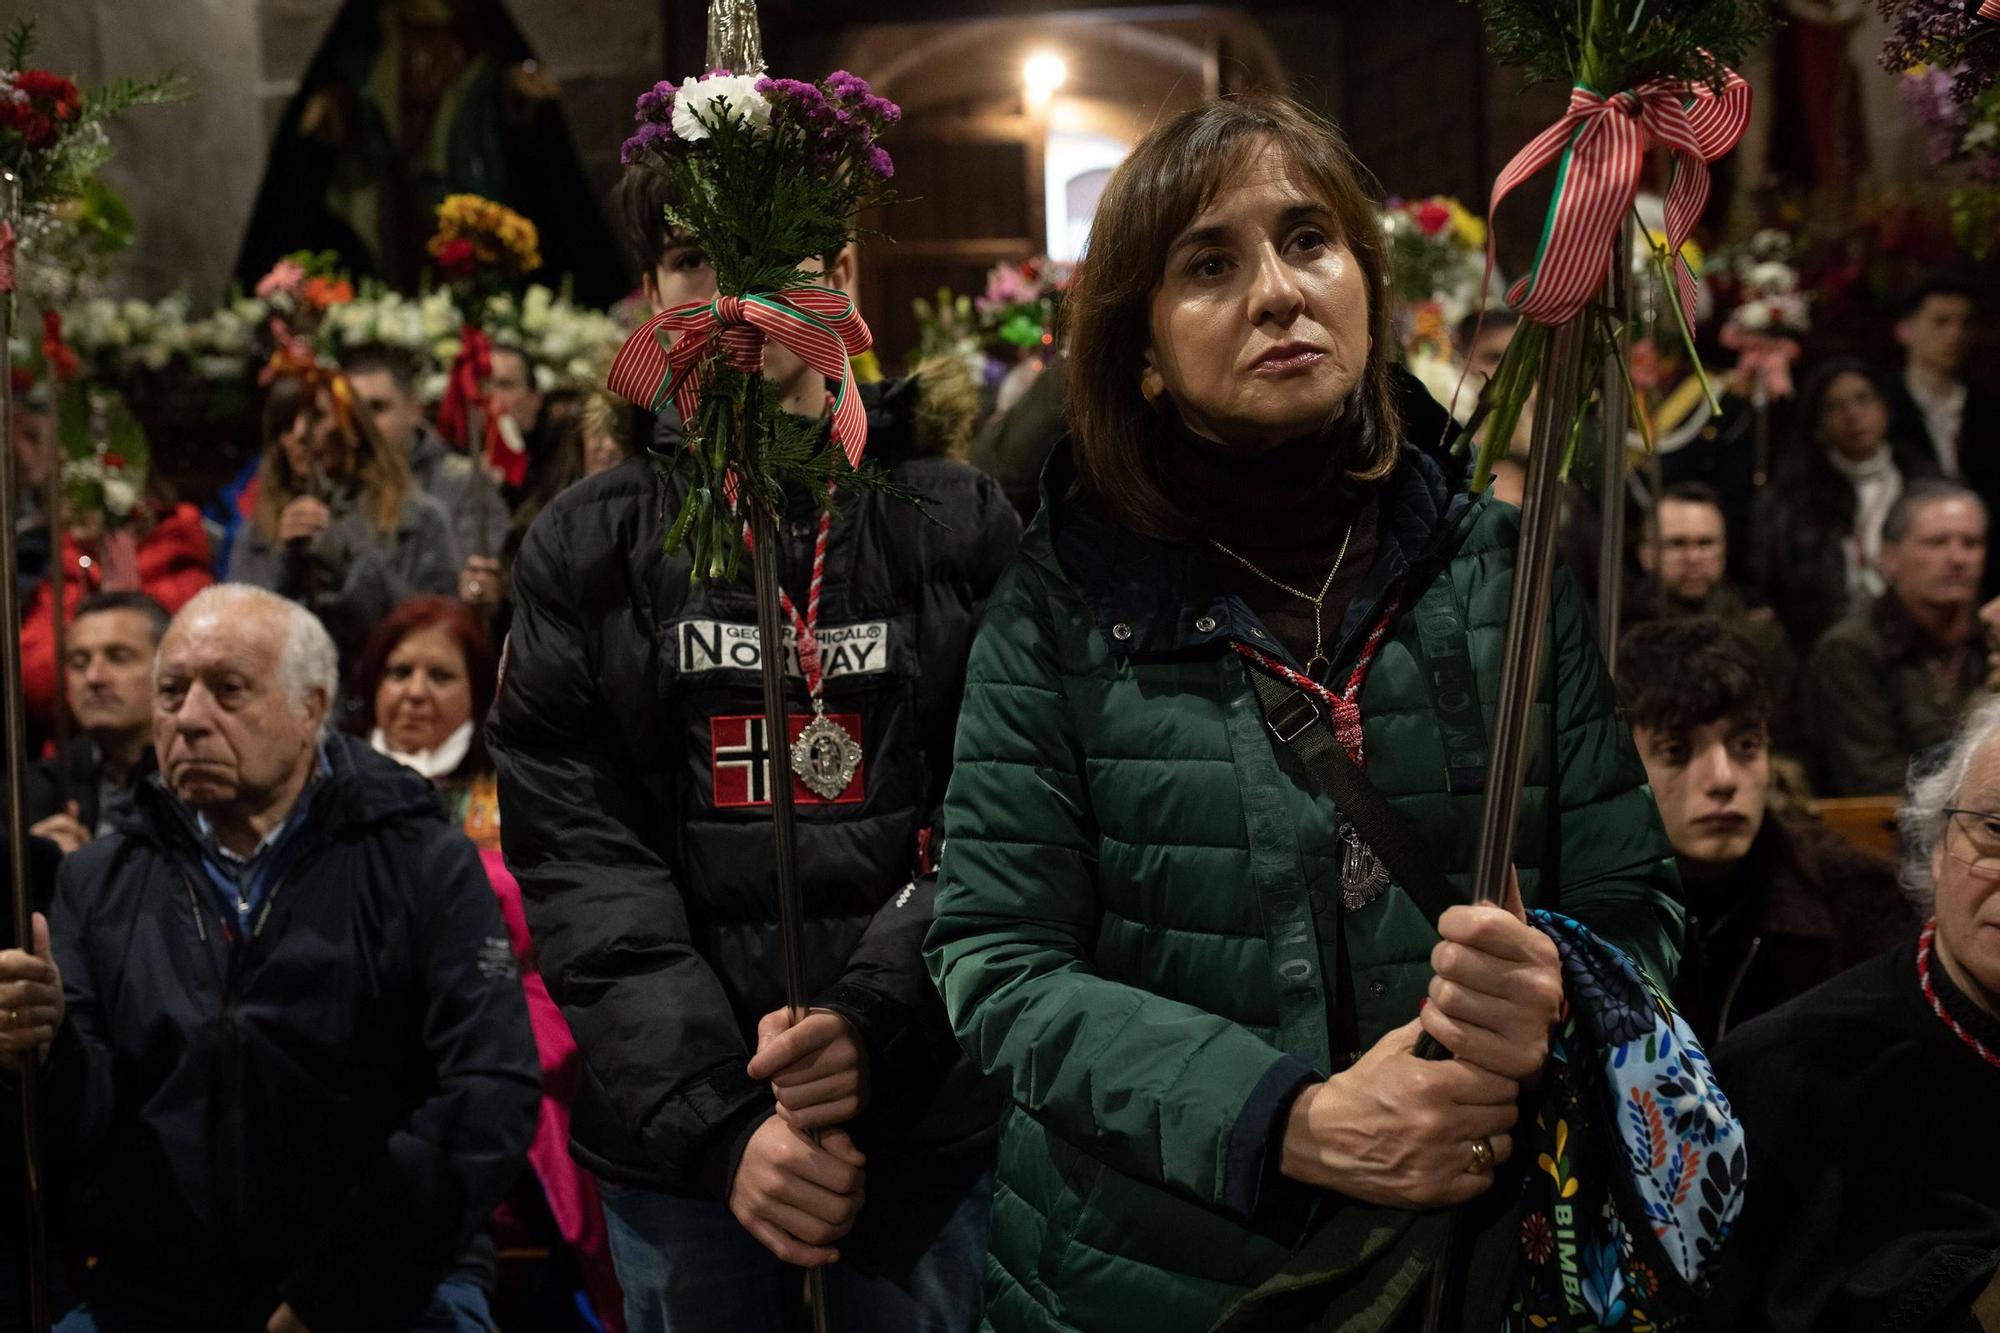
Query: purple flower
{"type": "Point", "coordinates": [655, 104]}
{"type": "Point", "coordinates": [649, 134]}
{"type": "Point", "coordinates": [718, 71]}
{"type": "Point", "coordinates": [879, 163]}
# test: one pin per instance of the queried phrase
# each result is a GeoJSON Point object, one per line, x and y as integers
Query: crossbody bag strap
{"type": "Point", "coordinates": [1300, 725]}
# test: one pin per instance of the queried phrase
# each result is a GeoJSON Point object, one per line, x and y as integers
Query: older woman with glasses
{"type": "Point", "coordinates": [1870, 1103]}
{"type": "Point", "coordinates": [1183, 960]}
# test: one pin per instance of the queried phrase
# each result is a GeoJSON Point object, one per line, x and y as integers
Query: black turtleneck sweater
{"type": "Point", "coordinates": [1287, 511]}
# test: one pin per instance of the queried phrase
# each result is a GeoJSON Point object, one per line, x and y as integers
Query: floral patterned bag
{"type": "Point", "coordinates": [1637, 1163]}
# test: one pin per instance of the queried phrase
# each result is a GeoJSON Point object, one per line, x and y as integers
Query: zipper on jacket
{"type": "Point", "coordinates": [1735, 985]}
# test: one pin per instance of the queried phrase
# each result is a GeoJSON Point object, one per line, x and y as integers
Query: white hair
{"type": "Point", "coordinates": [307, 659]}
{"type": "Point", "coordinates": [1933, 790]}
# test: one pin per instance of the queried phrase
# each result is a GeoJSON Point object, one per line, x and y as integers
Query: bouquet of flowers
{"type": "Point", "coordinates": [302, 287]}
{"type": "Point", "coordinates": [52, 133]}
{"type": "Point", "coordinates": [949, 327]}
{"type": "Point", "coordinates": [1964, 132]}
{"type": "Point", "coordinates": [767, 174]}
{"type": "Point", "coordinates": [1437, 254]}
{"type": "Point", "coordinates": [569, 344]}
{"type": "Point", "coordinates": [1959, 37]}
{"type": "Point", "coordinates": [481, 248]}
{"type": "Point", "coordinates": [105, 453]}
{"type": "Point", "coordinates": [1769, 311]}
{"type": "Point", "coordinates": [1642, 74]}
{"type": "Point", "coordinates": [1020, 303]}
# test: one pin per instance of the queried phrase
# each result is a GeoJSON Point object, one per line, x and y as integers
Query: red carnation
{"type": "Point", "coordinates": [1432, 217]}
{"type": "Point", "coordinates": [39, 131]}
{"type": "Point", "coordinates": [61, 96]}
{"type": "Point", "coordinates": [458, 260]}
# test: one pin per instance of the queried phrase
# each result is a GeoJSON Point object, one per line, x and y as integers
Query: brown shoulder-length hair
{"type": "Point", "coordinates": [482, 674]}
{"type": "Point", "coordinates": [1166, 182]}
{"type": "Point", "coordinates": [382, 473]}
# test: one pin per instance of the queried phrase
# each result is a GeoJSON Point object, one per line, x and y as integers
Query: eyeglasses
{"type": "Point", "coordinates": [1972, 839]}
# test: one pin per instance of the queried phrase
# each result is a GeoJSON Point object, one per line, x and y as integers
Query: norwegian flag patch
{"type": "Point", "coordinates": [740, 761]}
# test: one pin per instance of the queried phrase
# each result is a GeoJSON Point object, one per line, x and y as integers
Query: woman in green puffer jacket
{"type": "Point", "coordinates": [1143, 926]}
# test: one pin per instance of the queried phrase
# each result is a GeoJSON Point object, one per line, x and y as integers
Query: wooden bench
{"type": "Point", "coordinates": [1869, 822]}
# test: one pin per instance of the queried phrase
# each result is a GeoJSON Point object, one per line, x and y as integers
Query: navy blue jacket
{"type": "Point", "coordinates": [323, 1114]}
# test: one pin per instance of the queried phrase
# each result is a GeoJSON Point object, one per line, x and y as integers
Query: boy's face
{"type": "Point", "coordinates": [1712, 783]}
{"type": "Point", "coordinates": [683, 276]}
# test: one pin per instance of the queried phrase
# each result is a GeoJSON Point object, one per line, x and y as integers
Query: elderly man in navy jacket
{"type": "Point", "coordinates": [287, 1067]}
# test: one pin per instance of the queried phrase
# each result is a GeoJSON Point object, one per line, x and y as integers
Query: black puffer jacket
{"type": "Point", "coordinates": [628, 734]}
{"type": "Point", "coordinates": [324, 1115]}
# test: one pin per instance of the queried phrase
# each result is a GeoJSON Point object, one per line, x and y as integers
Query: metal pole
{"type": "Point", "coordinates": [35, 1248]}
{"type": "Point", "coordinates": [1614, 408]}
{"type": "Point", "coordinates": [1528, 613]}
{"type": "Point", "coordinates": [777, 731]}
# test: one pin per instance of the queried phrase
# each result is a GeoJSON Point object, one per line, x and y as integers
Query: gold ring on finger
{"type": "Point", "coordinates": [1482, 1157]}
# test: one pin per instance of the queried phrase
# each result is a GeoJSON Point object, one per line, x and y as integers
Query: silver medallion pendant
{"type": "Point", "coordinates": [1362, 874]}
{"type": "Point", "coordinates": [825, 757]}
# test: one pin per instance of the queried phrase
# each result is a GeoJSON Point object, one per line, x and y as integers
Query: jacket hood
{"type": "Point", "coordinates": [363, 789]}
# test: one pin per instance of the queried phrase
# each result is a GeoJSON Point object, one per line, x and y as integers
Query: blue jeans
{"type": "Point", "coordinates": [456, 1307]}
{"type": "Point", "coordinates": [688, 1266]}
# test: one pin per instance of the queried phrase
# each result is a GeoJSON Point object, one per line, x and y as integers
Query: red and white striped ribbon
{"type": "Point", "coordinates": [818, 324]}
{"type": "Point", "coordinates": [1602, 143]}
{"type": "Point", "coordinates": [807, 629]}
{"type": "Point", "coordinates": [1345, 706]}
{"type": "Point", "coordinates": [1990, 10]}
{"type": "Point", "coordinates": [6, 256]}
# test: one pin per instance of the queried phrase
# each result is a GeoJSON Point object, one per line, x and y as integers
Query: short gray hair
{"type": "Point", "coordinates": [307, 659]}
{"type": "Point", "coordinates": [1933, 790]}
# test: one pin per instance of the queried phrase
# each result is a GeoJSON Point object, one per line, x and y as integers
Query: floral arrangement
{"type": "Point", "coordinates": [105, 456]}
{"type": "Point", "coordinates": [1021, 301]}
{"type": "Point", "coordinates": [1959, 37]}
{"type": "Point", "coordinates": [481, 247]}
{"type": "Point", "coordinates": [52, 133]}
{"type": "Point", "coordinates": [949, 327]}
{"type": "Point", "coordinates": [477, 239]}
{"type": "Point", "coordinates": [767, 174]}
{"type": "Point", "coordinates": [1641, 74]}
{"type": "Point", "coordinates": [1437, 255]}
{"type": "Point", "coordinates": [1964, 129]}
{"type": "Point", "coordinates": [302, 287]}
{"type": "Point", "coordinates": [1769, 311]}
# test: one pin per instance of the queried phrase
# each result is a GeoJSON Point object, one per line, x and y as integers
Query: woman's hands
{"type": "Point", "coordinates": [302, 518]}
{"type": "Point", "coordinates": [1496, 988]}
{"type": "Point", "coordinates": [1400, 1130]}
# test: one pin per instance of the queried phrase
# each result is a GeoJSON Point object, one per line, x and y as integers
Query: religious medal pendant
{"type": "Point", "coordinates": [1362, 874]}
{"type": "Point", "coordinates": [824, 756]}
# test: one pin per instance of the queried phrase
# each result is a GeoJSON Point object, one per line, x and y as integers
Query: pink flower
{"type": "Point", "coordinates": [284, 279]}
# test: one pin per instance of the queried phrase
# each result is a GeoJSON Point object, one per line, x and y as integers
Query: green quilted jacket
{"type": "Point", "coordinates": [1117, 822]}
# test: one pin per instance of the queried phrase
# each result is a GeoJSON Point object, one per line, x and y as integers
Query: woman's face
{"type": "Point", "coordinates": [314, 440]}
{"type": "Point", "coordinates": [1260, 322]}
{"type": "Point", "coordinates": [1853, 419]}
{"type": "Point", "coordinates": [426, 692]}
{"type": "Point", "coordinates": [1966, 870]}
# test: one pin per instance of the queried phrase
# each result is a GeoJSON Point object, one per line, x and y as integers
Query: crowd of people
{"type": "Point", "coordinates": [406, 877]}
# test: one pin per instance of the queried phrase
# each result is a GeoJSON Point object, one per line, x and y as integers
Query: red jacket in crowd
{"type": "Point", "coordinates": [174, 565]}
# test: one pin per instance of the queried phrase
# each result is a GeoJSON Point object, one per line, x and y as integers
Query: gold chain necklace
{"type": "Point", "coordinates": [1319, 657]}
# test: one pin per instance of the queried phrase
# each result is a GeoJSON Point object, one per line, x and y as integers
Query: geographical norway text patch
{"type": "Point", "coordinates": [740, 760]}
{"type": "Point", "coordinates": [723, 645]}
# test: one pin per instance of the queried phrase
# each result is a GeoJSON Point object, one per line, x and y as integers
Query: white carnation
{"type": "Point", "coordinates": [119, 496]}
{"type": "Point", "coordinates": [709, 100]}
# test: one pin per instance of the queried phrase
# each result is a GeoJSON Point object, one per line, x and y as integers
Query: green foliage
{"type": "Point", "coordinates": [1612, 45]}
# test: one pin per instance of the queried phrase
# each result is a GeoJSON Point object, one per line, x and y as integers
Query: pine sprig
{"type": "Point", "coordinates": [21, 43]}
{"type": "Point", "coordinates": [1612, 45]}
